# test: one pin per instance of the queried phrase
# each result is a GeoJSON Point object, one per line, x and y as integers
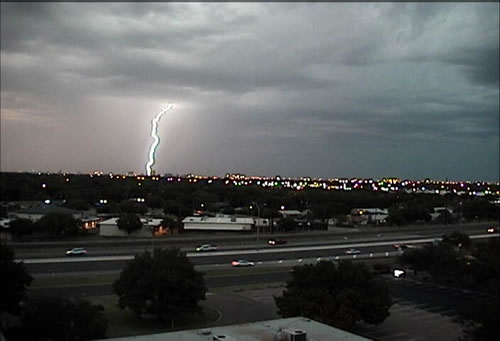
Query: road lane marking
{"type": "Point", "coordinates": [241, 252]}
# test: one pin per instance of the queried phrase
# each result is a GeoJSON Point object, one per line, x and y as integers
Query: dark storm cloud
{"type": "Point", "coordinates": [315, 81]}
{"type": "Point", "coordinates": [480, 64]}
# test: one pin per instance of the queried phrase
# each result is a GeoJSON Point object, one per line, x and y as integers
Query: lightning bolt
{"type": "Point", "coordinates": [154, 135]}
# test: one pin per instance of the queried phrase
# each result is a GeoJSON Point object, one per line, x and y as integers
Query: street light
{"type": "Point", "coordinates": [258, 217]}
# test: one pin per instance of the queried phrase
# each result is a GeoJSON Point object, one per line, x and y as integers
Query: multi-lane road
{"type": "Point", "coordinates": [93, 274]}
{"type": "Point", "coordinates": [109, 256]}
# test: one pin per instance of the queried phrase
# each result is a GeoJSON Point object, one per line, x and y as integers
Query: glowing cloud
{"type": "Point", "coordinates": [154, 135]}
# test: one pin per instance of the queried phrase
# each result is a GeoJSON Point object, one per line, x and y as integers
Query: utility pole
{"type": "Point", "coordinates": [258, 218]}
{"type": "Point", "coordinates": [460, 217]}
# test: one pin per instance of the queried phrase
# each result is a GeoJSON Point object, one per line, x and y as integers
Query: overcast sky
{"type": "Point", "coordinates": [295, 89]}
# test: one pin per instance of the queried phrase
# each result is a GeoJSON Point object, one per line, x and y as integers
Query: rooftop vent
{"type": "Point", "coordinates": [222, 337]}
{"type": "Point", "coordinates": [291, 335]}
{"type": "Point", "coordinates": [205, 332]}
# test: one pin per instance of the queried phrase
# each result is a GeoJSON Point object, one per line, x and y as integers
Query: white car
{"type": "Point", "coordinates": [242, 262]}
{"type": "Point", "coordinates": [206, 247]}
{"type": "Point", "coordinates": [352, 251]}
{"type": "Point", "coordinates": [76, 251]}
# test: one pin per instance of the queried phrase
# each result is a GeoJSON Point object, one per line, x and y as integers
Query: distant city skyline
{"type": "Point", "coordinates": [330, 90]}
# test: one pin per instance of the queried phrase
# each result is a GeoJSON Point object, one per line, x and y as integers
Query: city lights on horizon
{"type": "Point", "coordinates": [388, 184]}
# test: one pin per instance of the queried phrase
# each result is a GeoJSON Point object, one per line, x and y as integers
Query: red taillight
{"type": "Point", "coordinates": [234, 262]}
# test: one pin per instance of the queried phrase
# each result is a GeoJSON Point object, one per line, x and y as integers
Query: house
{"type": "Point", "coordinates": [440, 211]}
{"type": "Point", "coordinates": [218, 223]}
{"type": "Point", "coordinates": [36, 212]}
{"type": "Point", "coordinates": [90, 224]}
{"type": "Point", "coordinates": [365, 216]}
{"type": "Point", "coordinates": [291, 213]}
{"type": "Point", "coordinates": [109, 228]}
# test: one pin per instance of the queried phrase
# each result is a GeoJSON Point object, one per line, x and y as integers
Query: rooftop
{"type": "Point", "coordinates": [257, 331]}
{"type": "Point", "coordinates": [219, 220]}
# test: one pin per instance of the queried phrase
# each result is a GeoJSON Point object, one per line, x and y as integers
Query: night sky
{"type": "Point", "coordinates": [295, 89]}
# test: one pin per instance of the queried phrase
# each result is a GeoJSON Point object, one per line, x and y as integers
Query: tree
{"type": "Point", "coordinates": [129, 222]}
{"type": "Point", "coordinates": [127, 206]}
{"type": "Point", "coordinates": [78, 204]}
{"type": "Point", "coordinates": [21, 227]}
{"type": "Point", "coordinates": [59, 224]}
{"type": "Point", "coordinates": [15, 280]}
{"type": "Point", "coordinates": [395, 216]}
{"type": "Point", "coordinates": [57, 318]}
{"type": "Point", "coordinates": [164, 284]}
{"type": "Point", "coordinates": [443, 262]}
{"type": "Point", "coordinates": [287, 224]}
{"type": "Point", "coordinates": [338, 295]}
{"type": "Point", "coordinates": [171, 223]}
{"type": "Point", "coordinates": [457, 239]}
{"type": "Point", "coordinates": [155, 201]}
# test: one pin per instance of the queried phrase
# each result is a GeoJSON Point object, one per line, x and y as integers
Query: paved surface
{"type": "Point", "coordinates": [411, 322]}
{"type": "Point", "coordinates": [242, 306]}
{"type": "Point", "coordinates": [421, 311]}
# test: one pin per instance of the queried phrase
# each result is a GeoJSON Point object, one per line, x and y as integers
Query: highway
{"type": "Point", "coordinates": [93, 274]}
{"type": "Point", "coordinates": [288, 255]}
{"type": "Point", "coordinates": [99, 246]}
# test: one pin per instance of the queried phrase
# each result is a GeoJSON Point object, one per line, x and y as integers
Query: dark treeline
{"type": "Point", "coordinates": [182, 197]}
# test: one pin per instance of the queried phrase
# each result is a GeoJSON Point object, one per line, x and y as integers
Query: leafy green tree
{"type": "Point", "coordinates": [129, 222]}
{"type": "Point", "coordinates": [164, 283]}
{"type": "Point", "coordinates": [14, 282]}
{"type": "Point", "coordinates": [57, 318]}
{"type": "Point", "coordinates": [457, 239]}
{"type": "Point", "coordinates": [416, 211]}
{"type": "Point", "coordinates": [78, 204]}
{"type": "Point", "coordinates": [484, 274]}
{"type": "Point", "coordinates": [21, 227]}
{"type": "Point", "coordinates": [336, 294]}
{"type": "Point", "coordinates": [287, 224]}
{"type": "Point", "coordinates": [443, 262]}
{"type": "Point", "coordinates": [59, 224]}
{"type": "Point", "coordinates": [170, 223]}
{"type": "Point", "coordinates": [3, 212]}
{"type": "Point", "coordinates": [127, 206]}
{"type": "Point", "coordinates": [395, 216]}
{"type": "Point", "coordinates": [177, 208]}
{"type": "Point", "coordinates": [228, 210]}
{"type": "Point", "coordinates": [155, 201]}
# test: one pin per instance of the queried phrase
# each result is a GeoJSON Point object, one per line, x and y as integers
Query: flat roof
{"type": "Point", "coordinates": [256, 331]}
{"type": "Point", "coordinates": [218, 220]}
{"type": "Point", "coordinates": [144, 221]}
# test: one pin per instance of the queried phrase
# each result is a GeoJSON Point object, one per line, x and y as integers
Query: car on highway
{"type": "Point", "coordinates": [76, 251]}
{"type": "Point", "coordinates": [276, 241]}
{"type": "Point", "coordinates": [206, 247]}
{"type": "Point", "coordinates": [492, 229]}
{"type": "Point", "coordinates": [352, 251]}
{"type": "Point", "coordinates": [242, 262]}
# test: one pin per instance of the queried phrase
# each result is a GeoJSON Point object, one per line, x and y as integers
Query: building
{"type": "Point", "coordinates": [292, 213]}
{"type": "Point", "coordinates": [287, 329]}
{"type": "Point", "coordinates": [365, 216]}
{"type": "Point", "coordinates": [35, 213]}
{"type": "Point", "coordinates": [441, 212]}
{"type": "Point", "coordinates": [218, 223]}
{"type": "Point", "coordinates": [90, 224]}
{"type": "Point", "coordinates": [109, 228]}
